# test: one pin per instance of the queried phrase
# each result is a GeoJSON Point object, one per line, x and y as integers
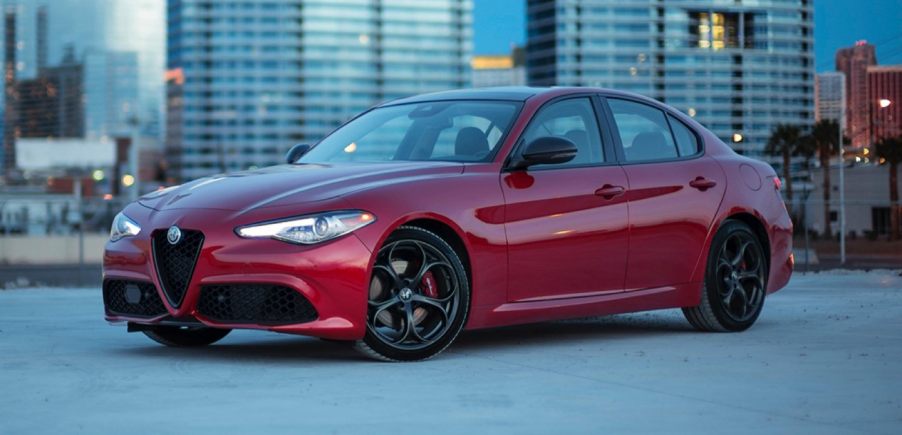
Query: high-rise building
{"type": "Point", "coordinates": [52, 104]}
{"type": "Point", "coordinates": [739, 68]}
{"type": "Point", "coordinates": [8, 154]}
{"type": "Point", "coordinates": [112, 93]}
{"type": "Point", "coordinates": [854, 62]}
{"type": "Point", "coordinates": [885, 100]}
{"type": "Point", "coordinates": [247, 79]}
{"type": "Point", "coordinates": [499, 70]}
{"type": "Point", "coordinates": [137, 27]}
{"type": "Point", "coordinates": [829, 96]}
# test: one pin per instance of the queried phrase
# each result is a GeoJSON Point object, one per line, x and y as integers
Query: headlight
{"type": "Point", "coordinates": [123, 226]}
{"type": "Point", "coordinates": [311, 229]}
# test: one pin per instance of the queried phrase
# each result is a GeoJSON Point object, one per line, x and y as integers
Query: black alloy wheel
{"type": "Point", "coordinates": [735, 281]}
{"type": "Point", "coordinates": [418, 297]}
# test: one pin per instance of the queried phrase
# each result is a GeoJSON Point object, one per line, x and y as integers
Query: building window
{"type": "Point", "coordinates": [714, 30]}
{"type": "Point", "coordinates": [880, 220]}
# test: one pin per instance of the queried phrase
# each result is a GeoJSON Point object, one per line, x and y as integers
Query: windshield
{"type": "Point", "coordinates": [451, 131]}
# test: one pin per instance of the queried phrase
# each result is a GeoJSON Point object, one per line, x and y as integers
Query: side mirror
{"type": "Point", "coordinates": [296, 152]}
{"type": "Point", "coordinates": [548, 150]}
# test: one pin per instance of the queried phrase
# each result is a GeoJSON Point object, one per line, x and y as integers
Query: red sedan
{"type": "Point", "coordinates": [463, 209]}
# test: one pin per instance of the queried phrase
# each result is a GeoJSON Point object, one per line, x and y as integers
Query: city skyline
{"type": "Point", "coordinates": [120, 45]}
{"type": "Point", "coordinates": [499, 24]}
{"type": "Point", "coordinates": [108, 36]}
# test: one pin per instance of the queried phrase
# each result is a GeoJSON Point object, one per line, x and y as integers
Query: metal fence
{"type": "Point", "coordinates": [42, 229]}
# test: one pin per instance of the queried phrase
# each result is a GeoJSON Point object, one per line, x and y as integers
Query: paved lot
{"type": "Point", "coordinates": [825, 357]}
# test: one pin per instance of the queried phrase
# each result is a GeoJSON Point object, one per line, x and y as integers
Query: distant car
{"type": "Point", "coordinates": [462, 209]}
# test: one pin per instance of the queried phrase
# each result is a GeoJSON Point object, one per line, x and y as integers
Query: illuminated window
{"type": "Point", "coordinates": [715, 30]}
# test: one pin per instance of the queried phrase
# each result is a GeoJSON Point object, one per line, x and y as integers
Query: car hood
{"type": "Point", "coordinates": [291, 184]}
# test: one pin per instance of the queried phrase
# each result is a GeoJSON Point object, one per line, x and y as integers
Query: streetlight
{"type": "Point", "coordinates": [884, 103]}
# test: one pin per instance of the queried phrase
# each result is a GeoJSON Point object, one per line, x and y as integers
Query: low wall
{"type": "Point", "coordinates": [38, 250]}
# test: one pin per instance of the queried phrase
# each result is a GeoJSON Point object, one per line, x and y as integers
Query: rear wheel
{"type": "Point", "coordinates": [418, 298]}
{"type": "Point", "coordinates": [194, 336]}
{"type": "Point", "coordinates": [735, 281]}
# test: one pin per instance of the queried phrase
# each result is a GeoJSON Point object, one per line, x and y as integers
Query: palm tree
{"type": "Point", "coordinates": [890, 150]}
{"type": "Point", "coordinates": [783, 141]}
{"type": "Point", "coordinates": [823, 139]}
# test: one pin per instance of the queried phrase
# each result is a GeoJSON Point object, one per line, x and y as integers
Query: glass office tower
{"type": "Point", "coordinates": [739, 67]}
{"type": "Point", "coordinates": [249, 78]}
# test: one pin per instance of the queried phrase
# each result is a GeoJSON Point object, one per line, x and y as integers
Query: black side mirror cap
{"type": "Point", "coordinates": [296, 152]}
{"type": "Point", "coordinates": [548, 150]}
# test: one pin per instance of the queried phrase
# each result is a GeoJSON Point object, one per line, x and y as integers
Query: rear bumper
{"type": "Point", "coordinates": [332, 277]}
{"type": "Point", "coordinates": [781, 259]}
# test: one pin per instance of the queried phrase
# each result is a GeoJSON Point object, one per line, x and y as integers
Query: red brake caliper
{"type": "Point", "coordinates": [429, 288]}
{"type": "Point", "coordinates": [428, 285]}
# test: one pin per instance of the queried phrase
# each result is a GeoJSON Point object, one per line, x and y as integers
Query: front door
{"type": "Point", "coordinates": [566, 224]}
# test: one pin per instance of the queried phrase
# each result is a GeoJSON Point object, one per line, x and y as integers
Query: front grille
{"type": "Point", "coordinates": [254, 303]}
{"type": "Point", "coordinates": [132, 298]}
{"type": "Point", "coordinates": [175, 263]}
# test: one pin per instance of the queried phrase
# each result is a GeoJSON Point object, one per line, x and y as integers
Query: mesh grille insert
{"type": "Point", "coordinates": [132, 298]}
{"type": "Point", "coordinates": [175, 263]}
{"type": "Point", "coordinates": [255, 303]}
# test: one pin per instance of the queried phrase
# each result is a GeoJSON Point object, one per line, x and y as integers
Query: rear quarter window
{"type": "Point", "coordinates": [686, 140]}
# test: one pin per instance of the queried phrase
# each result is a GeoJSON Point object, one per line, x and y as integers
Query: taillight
{"type": "Point", "coordinates": [778, 185]}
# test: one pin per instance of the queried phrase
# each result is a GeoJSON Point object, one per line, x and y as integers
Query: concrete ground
{"type": "Point", "coordinates": [825, 357]}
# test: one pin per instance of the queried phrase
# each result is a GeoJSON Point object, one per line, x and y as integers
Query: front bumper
{"type": "Point", "coordinates": [331, 277]}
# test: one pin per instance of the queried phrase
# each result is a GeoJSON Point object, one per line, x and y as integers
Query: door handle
{"type": "Point", "coordinates": [702, 183]}
{"type": "Point", "coordinates": [610, 192]}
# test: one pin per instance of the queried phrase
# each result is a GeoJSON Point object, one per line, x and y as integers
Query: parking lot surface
{"type": "Point", "coordinates": [824, 357]}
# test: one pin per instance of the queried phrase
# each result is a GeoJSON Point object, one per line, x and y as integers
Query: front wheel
{"type": "Point", "coordinates": [177, 336]}
{"type": "Point", "coordinates": [418, 298]}
{"type": "Point", "coordinates": [735, 281]}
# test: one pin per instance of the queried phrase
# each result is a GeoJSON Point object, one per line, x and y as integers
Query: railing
{"type": "Point", "coordinates": [42, 229]}
{"type": "Point", "coordinates": [54, 229]}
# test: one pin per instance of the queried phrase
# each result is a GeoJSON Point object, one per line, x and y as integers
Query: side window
{"type": "Point", "coordinates": [643, 131]}
{"type": "Point", "coordinates": [687, 141]}
{"type": "Point", "coordinates": [573, 119]}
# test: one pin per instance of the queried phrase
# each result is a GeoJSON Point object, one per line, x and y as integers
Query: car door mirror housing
{"type": "Point", "coordinates": [548, 150]}
{"type": "Point", "coordinates": [296, 152]}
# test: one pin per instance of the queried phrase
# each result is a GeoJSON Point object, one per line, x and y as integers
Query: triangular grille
{"type": "Point", "coordinates": [175, 263]}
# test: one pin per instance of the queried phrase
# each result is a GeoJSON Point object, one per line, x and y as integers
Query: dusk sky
{"type": "Point", "coordinates": [838, 23]}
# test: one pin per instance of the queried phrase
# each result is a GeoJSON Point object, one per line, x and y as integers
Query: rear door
{"type": "Point", "coordinates": [567, 224]}
{"type": "Point", "coordinates": [674, 194]}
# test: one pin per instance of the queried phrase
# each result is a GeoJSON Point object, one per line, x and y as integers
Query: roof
{"type": "Point", "coordinates": [510, 93]}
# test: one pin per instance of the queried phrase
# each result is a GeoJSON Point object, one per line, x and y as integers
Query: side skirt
{"type": "Point", "coordinates": [513, 313]}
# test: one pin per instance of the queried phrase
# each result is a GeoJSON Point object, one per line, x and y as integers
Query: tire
{"type": "Point", "coordinates": [176, 336]}
{"type": "Point", "coordinates": [735, 281]}
{"type": "Point", "coordinates": [418, 280]}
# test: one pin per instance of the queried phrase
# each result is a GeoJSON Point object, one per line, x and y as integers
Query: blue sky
{"type": "Point", "coordinates": [838, 23]}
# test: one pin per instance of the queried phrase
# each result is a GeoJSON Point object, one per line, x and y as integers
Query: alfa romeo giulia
{"type": "Point", "coordinates": [470, 209]}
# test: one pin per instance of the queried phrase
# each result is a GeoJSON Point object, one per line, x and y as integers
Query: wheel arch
{"type": "Point", "coordinates": [449, 234]}
{"type": "Point", "coordinates": [747, 216]}
{"type": "Point", "coordinates": [758, 228]}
